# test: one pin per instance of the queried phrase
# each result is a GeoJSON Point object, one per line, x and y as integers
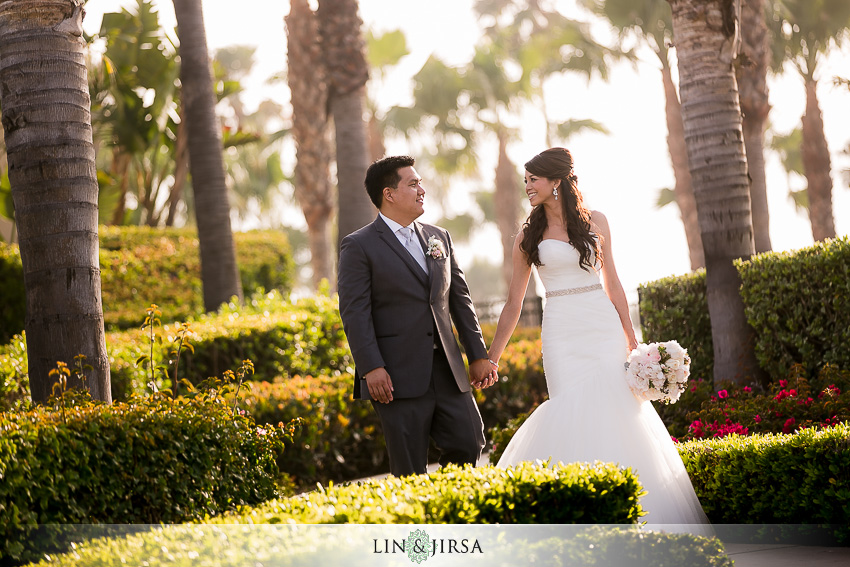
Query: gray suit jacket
{"type": "Point", "coordinates": [393, 313]}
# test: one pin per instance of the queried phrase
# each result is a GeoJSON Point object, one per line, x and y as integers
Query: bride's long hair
{"type": "Point", "coordinates": [557, 163]}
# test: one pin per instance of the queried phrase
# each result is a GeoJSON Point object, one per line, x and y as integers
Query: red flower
{"type": "Point", "coordinates": [747, 389]}
{"type": "Point", "coordinates": [783, 384]}
{"type": "Point", "coordinates": [789, 425]}
{"type": "Point", "coordinates": [722, 394]}
{"type": "Point", "coordinates": [757, 418]}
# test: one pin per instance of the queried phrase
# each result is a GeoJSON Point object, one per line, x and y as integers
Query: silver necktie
{"type": "Point", "coordinates": [413, 246]}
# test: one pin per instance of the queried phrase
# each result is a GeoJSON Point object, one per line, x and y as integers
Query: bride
{"type": "Point", "coordinates": [591, 414]}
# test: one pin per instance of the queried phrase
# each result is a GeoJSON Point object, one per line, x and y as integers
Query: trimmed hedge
{"type": "Point", "coordinates": [467, 498]}
{"type": "Point", "coordinates": [354, 546]}
{"type": "Point", "coordinates": [339, 438]}
{"type": "Point", "coordinates": [601, 493]}
{"type": "Point", "coordinates": [675, 308]}
{"type": "Point", "coordinates": [798, 304]}
{"type": "Point", "coordinates": [143, 265]}
{"type": "Point", "coordinates": [283, 338]}
{"type": "Point", "coordinates": [801, 478]}
{"type": "Point", "coordinates": [146, 461]}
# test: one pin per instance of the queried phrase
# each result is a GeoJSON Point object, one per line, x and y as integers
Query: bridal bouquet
{"type": "Point", "coordinates": [658, 371]}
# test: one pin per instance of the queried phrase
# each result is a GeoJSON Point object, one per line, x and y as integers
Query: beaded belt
{"type": "Point", "coordinates": [573, 290]}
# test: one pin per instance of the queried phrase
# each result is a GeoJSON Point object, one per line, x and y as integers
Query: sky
{"type": "Point", "coordinates": [619, 174]}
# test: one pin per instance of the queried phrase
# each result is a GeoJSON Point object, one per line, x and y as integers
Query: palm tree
{"type": "Point", "coordinates": [219, 272]}
{"type": "Point", "coordinates": [649, 21]}
{"type": "Point", "coordinates": [383, 51]}
{"type": "Point", "coordinates": [752, 86]}
{"type": "Point", "coordinates": [147, 145]}
{"type": "Point", "coordinates": [347, 72]}
{"type": "Point", "coordinates": [804, 30]}
{"type": "Point", "coordinates": [706, 46]}
{"type": "Point", "coordinates": [47, 123]}
{"type": "Point", "coordinates": [309, 95]}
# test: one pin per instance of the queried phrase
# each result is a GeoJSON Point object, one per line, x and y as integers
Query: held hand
{"type": "Point", "coordinates": [380, 386]}
{"type": "Point", "coordinates": [481, 373]}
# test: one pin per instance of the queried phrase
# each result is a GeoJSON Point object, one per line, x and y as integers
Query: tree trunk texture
{"type": "Point", "coordinates": [704, 31]}
{"type": "Point", "coordinates": [47, 122]}
{"type": "Point", "coordinates": [343, 50]}
{"type": "Point", "coordinates": [755, 107]}
{"type": "Point", "coordinates": [683, 190]}
{"type": "Point", "coordinates": [219, 272]}
{"type": "Point", "coordinates": [309, 97]}
{"type": "Point", "coordinates": [817, 167]}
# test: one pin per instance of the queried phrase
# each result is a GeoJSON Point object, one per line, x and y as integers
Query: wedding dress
{"type": "Point", "coordinates": [591, 414]}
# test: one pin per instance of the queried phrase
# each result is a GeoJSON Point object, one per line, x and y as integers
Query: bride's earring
{"type": "Point", "coordinates": [555, 192]}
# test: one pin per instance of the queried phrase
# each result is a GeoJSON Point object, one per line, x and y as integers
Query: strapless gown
{"type": "Point", "coordinates": [591, 414]}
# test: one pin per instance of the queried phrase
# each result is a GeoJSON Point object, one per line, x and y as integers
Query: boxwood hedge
{"type": "Point", "coordinates": [146, 461]}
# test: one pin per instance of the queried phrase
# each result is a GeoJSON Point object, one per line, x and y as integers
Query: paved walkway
{"type": "Point", "coordinates": [760, 555]}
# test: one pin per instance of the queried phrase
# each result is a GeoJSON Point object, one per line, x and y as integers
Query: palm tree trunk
{"type": "Point", "coordinates": [219, 272]}
{"type": "Point", "coordinates": [47, 122]}
{"type": "Point", "coordinates": [352, 159]}
{"type": "Point", "coordinates": [817, 166]}
{"type": "Point", "coordinates": [506, 205]}
{"type": "Point", "coordinates": [343, 50]}
{"type": "Point", "coordinates": [711, 116]}
{"type": "Point", "coordinates": [752, 82]}
{"type": "Point", "coordinates": [309, 95]}
{"type": "Point", "coordinates": [682, 189]}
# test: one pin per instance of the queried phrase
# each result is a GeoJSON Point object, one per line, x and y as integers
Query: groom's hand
{"type": "Point", "coordinates": [380, 386]}
{"type": "Point", "coordinates": [480, 375]}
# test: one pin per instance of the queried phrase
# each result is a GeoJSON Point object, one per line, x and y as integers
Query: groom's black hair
{"type": "Point", "coordinates": [384, 173]}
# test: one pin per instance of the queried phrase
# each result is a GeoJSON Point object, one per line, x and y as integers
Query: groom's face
{"type": "Point", "coordinates": [407, 199]}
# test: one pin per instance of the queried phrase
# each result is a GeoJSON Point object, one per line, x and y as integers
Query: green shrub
{"type": "Point", "coordinates": [143, 265]}
{"type": "Point", "coordinates": [284, 338]}
{"type": "Point", "coordinates": [367, 545]}
{"type": "Point", "coordinates": [14, 377]}
{"type": "Point", "coordinates": [528, 493]}
{"type": "Point", "coordinates": [339, 438]}
{"type": "Point", "coordinates": [798, 303]}
{"type": "Point", "coordinates": [675, 309]}
{"type": "Point", "coordinates": [146, 461]}
{"type": "Point", "coordinates": [801, 478]}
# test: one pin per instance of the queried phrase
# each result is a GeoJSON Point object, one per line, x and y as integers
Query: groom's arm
{"type": "Point", "coordinates": [463, 312]}
{"type": "Point", "coordinates": [354, 285]}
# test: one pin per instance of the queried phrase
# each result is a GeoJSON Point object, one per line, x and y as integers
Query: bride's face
{"type": "Point", "coordinates": [539, 189]}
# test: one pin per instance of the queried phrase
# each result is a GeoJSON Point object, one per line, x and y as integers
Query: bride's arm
{"type": "Point", "coordinates": [513, 305]}
{"type": "Point", "coordinates": [613, 287]}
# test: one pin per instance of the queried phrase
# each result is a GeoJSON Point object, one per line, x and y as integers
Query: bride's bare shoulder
{"type": "Point", "coordinates": [598, 222]}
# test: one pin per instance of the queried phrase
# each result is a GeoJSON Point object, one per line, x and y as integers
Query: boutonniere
{"type": "Point", "coordinates": [435, 248]}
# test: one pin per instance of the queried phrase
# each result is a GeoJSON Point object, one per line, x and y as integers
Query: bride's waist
{"type": "Point", "coordinates": [550, 293]}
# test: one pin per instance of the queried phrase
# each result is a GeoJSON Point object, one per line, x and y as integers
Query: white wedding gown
{"type": "Point", "coordinates": [591, 414]}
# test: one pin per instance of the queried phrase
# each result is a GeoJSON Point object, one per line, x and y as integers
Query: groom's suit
{"type": "Point", "coordinates": [398, 317]}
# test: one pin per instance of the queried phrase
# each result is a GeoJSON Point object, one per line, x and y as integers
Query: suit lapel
{"type": "Point", "coordinates": [436, 273]}
{"type": "Point", "coordinates": [391, 240]}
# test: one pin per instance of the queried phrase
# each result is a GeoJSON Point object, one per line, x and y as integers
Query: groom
{"type": "Point", "coordinates": [400, 289]}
